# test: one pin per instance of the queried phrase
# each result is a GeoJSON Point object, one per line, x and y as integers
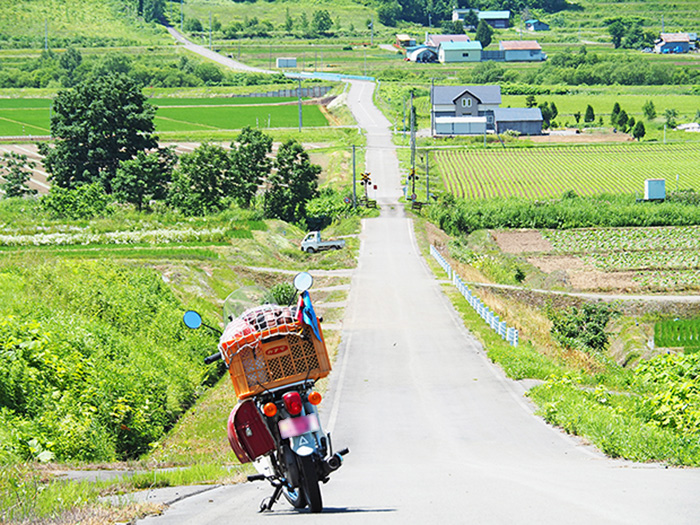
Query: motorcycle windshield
{"type": "Point", "coordinates": [243, 299]}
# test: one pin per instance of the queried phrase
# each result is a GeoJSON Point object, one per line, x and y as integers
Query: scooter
{"type": "Point", "coordinates": [275, 355]}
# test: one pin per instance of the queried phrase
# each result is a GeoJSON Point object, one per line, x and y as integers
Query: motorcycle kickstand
{"type": "Point", "coordinates": [267, 503]}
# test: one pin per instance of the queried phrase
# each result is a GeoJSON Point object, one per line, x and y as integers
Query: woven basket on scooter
{"type": "Point", "coordinates": [273, 350]}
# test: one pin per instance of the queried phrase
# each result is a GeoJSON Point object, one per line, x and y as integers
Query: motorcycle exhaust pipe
{"type": "Point", "coordinates": [336, 460]}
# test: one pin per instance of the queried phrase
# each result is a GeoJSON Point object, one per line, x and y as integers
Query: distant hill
{"type": "Point", "coordinates": [93, 23]}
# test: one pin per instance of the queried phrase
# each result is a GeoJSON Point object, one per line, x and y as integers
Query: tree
{"type": "Point", "coordinates": [614, 114]}
{"type": "Point", "coordinates": [617, 32]}
{"type": "Point", "coordinates": [250, 163]}
{"type": "Point", "coordinates": [554, 110]}
{"type": "Point", "coordinates": [671, 115]}
{"type": "Point", "coordinates": [546, 111]}
{"type": "Point", "coordinates": [471, 19]}
{"type": "Point", "coordinates": [321, 22]}
{"type": "Point", "coordinates": [388, 13]}
{"type": "Point", "coordinates": [639, 131]}
{"type": "Point", "coordinates": [649, 110]}
{"type": "Point", "coordinates": [145, 177]}
{"type": "Point", "coordinates": [630, 123]}
{"type": "Point", "coordinates": [153, 10]}
{"type": "Point", "coordinates": [288, 22]}
{"type": "Point", "coordinates": [530, 101]}
{"type": "Point", "coordinates": [98, 124]}
{"type": "Point", "coordinates": [203, 182]}
{"type": "Point", "coordinates": [577, 117]}
{"type": "Point", "coordinates": [622, 120]}
{"type": "Point", "coordinates": [590, 114]}
{"type": "Point", "coordinates": [293, 184]}
{"type": "Point", "coordinates": [15, 169]}
{"type": "Point", "coordinates": [484, 33]}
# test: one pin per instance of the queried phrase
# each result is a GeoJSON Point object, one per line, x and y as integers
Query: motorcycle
{"type": "Point", "coordinates": [275, 354]}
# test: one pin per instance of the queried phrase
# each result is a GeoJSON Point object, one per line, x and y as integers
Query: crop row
{"type": "Point", "coordinates": [677, 333]}
{"type": "Point", "coordinates": [661, 281]}
{"type": "Point", "coordinates": [624, 239]}
{"type": "Point", "coordinates": [549, 172]}
{"type": "Point", "coordinates": [651, 260]}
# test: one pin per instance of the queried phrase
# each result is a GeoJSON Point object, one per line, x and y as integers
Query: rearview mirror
{"type": "Point", "coordinates": [192, 319]}
{"type": "Point", "coordinates": [303, 281]}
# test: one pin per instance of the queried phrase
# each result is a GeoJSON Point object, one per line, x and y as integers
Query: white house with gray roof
{"type": "Point", "coordinates": [477, 109]}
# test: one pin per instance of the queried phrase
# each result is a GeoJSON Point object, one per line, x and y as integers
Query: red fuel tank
{"type": "Point", "coordinates": [247, 432]}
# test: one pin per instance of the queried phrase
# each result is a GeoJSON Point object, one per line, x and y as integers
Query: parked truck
{"type": "Point", "coordinates": [313, 243]}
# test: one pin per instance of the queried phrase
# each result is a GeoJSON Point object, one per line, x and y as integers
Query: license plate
{"type": "Point", "coordinates": [296, 426]}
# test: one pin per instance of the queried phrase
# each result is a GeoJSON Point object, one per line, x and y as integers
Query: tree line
{"type": "Point", "coordinates": [105, 149]}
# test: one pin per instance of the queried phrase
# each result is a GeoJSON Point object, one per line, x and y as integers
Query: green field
{"type": "Point", "coordinates": [678, 333]}
{"type": "Point", "coordinates": [549, 172]}
{"type": "Point", "coordinates": [25, 117]}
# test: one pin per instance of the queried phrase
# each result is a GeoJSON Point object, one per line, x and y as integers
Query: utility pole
{"type": "Point", "coordinates": [46, 34]}
{"type": "Point", "coordinates": [427, 176]}
{"type": "Point", "coordinates": [413, 150]}
{"type": "Point", "coordinates": [371, 38]}
{"type": "Point", "coordinates": [182, 17]}
{"type": "Point", "coordinates": [354, 184]}
{"type": "Point", "coordinates": [299, 98]}
{"type": "Point", "coordinates": [210, 31]}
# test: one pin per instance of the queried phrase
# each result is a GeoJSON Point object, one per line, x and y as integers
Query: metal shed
{"type": "Point", "coordinates": [526, 121]}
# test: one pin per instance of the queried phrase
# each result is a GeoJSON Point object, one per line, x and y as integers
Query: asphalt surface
{"type": "Point", "coordinates": [437, 434]}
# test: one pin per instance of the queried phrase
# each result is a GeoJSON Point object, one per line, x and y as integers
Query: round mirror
{"type": "Point", "coordinates": [303, 281]}
{"type": "Point", "coordinates": [192, 319]}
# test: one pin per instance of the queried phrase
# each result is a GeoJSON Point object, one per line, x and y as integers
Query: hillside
{"type": "Point", "coordinates": [89, 23]}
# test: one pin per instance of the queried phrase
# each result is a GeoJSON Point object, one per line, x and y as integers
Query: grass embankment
{"type": "Point", "coordinates": [646, 413]}
{"type": "Point", "coordinates": [102, 368]}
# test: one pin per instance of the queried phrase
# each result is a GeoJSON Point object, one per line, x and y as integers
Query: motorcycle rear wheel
{"type": "Point", "coordinates": [309, 483]}
{"type": "Point", "coordinates": [295, 497]}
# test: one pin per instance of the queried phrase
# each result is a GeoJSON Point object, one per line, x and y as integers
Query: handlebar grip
{"type": "Point", "coordinates": [214, 357]}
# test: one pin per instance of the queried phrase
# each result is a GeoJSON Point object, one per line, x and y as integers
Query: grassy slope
{"type": "Point", "coordinates": [91, 19]}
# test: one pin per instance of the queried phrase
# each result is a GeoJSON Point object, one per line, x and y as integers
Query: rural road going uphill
{"type": "Point", "coordinates": [436, 433]}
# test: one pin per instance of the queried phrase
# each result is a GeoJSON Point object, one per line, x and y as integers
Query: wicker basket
{"type": "Point", "coordinates": [279, 361]}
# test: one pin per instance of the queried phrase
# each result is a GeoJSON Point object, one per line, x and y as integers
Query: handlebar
{"type": "Point", "coordinates": [214, 357]}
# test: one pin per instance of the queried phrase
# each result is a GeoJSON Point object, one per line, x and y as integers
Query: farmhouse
{"type": "Point", "coordinates": [521, 50]}
{"type": "Point", "coordinates": [672, 43]}
{"type": "Point", "coordinates": [459, 52]}
{"type": "Point", "coordinates": [465, 101]}
{"type": "Point", "coordinates": [436, 40]}
{"type": "Point", "coordinates": [526, 121]}
{"type": "Point", "coordinates": [475, 109]}
{"type": "Point", "coordinates": [496, 19]}
{"type": "Point", "coordinates": [536, 25]}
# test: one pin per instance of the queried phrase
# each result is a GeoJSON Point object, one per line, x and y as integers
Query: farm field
{"type": "Point", "coordinates": [31, 116]}
{"type": "Point", "coordinates": [655, 260]}
{"type": "Point", "coordinates": [549, 172]}
{"type": "Point", "coordinates": [676, 333]}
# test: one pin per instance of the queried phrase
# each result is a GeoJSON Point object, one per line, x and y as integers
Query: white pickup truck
{"type": "Point", "coordinates": [312, 243]}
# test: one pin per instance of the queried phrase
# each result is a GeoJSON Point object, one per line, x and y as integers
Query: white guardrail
{"type": "Point", "coordinates": [510, 334]}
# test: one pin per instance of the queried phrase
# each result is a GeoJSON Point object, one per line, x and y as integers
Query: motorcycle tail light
{"type": "Point", "coordinates": [315, 398]}
{"type": "Point", "coordinates": [270, 409]}
{"type": "Point", "coordinates": [292, 400]}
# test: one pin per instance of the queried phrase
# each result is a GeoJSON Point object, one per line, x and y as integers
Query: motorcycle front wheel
{"type": "Point", "coordinates": [308, 479]}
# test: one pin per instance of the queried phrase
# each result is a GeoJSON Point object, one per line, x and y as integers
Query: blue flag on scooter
{"type": "Point", "coordinates": [310, 315]}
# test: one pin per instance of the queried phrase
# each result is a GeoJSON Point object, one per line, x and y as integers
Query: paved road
{"type": "Point", "coordinates": [213, 55]}
{"type": "Point", "coordinates": [436, 433]}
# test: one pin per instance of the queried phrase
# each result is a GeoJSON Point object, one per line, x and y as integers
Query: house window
{"type": "Point", "coordinates": [489, 119]}
{"type": "Point", "coordinates": [466, 102]}
{"type": "Point", "coordinates": [465, 55]}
